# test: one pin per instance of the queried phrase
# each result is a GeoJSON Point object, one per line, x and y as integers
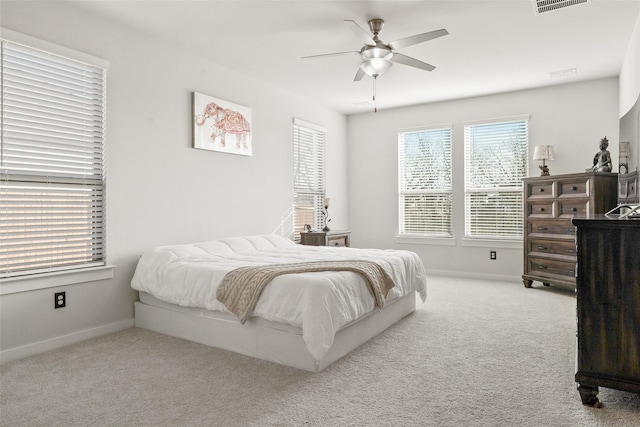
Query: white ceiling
{"type": "Point", "coordinates": [493, 46]}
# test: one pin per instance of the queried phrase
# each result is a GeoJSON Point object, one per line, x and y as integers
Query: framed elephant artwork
{"type": "Point", "coordinates": [221, 125]}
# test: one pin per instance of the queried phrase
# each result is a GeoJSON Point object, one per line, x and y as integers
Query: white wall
{"type": "Point", "coordinates": [159, 189]}
{"type": "Point", "coordinates": [630, 96]}
{"type": "Point", "coordinates": [630, 73]}
{"type": "Point", "coordinates": [571, 117]}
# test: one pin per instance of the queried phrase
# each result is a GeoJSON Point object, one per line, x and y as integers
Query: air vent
{"type": "Point", "coordinates": [541, 6]}
{"type": "Point", "coordinates": [570, 72]}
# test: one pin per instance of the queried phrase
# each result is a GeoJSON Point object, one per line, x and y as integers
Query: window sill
{"type": "Point", "coordinates": [424, 240]}
{"type": "Point", "coordinates": [492, 243]}
{"type": "Point", "coordinates": [12, 285]}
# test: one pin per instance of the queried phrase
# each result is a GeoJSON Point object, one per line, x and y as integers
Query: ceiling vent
{"type": "Point", "coordinates": [541, 6]}
{"type": "Point", "coordinates": [571, 72]}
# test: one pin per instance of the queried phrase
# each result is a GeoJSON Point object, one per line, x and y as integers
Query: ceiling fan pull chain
{"type": "Point", "coordinates": [375, 106]}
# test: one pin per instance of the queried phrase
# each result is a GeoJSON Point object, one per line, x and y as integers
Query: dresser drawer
{"type": "Point", "coordinates": [568, 208]}
{"type": "Point", "coordinates": [540, 190]}
{"type": "Point", "coordinates": [540, 209]}
{"type": "Point", "coordinates": [551, 267]}
{"type": "Point", "coordinates": [565, 248]}
{"type": "Point", "coordinates": [573, 188]}
{"type": "Point", "coordinates": [540, 228]}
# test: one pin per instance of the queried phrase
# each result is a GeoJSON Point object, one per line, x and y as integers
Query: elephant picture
{"type": "Point", "coordinates": [220, 125]}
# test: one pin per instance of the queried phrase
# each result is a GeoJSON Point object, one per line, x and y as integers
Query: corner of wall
{"type": "Point", "coordinates": [629, 80]}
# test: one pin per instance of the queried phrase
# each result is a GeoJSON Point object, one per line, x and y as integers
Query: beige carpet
{"type": "Point", "coordinates": [477, 353]}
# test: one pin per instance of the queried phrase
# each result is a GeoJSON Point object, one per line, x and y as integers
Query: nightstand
{"type": "Point", "coordinates": [325, 238]}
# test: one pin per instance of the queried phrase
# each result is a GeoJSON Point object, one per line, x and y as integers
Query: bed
{"type": "Point", "coordinates": [305, 320]}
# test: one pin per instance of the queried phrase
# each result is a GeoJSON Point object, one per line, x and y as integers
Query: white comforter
{"type": "Point", "coordinates": [319, 303]}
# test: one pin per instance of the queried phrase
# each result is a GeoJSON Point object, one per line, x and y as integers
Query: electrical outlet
{"type": "Point", "coordinates": [60, 300]}
{"type": "Point", "coordinates": [492, 255]}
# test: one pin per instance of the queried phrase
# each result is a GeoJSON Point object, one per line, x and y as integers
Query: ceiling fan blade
{"type": "Point", "coordinates": [412, 62]}
{"type": "Point", "coordinates": [331, 54]}
{"type": "Point", "coordinates": [359, 75]}
{"type": "Point", "coordinates": [360, 33]}
{"type": "Point", "coordinates": [418, 38]}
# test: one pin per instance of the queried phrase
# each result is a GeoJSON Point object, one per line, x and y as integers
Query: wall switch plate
{"type": "Point", "coordinates": [492, 255]}
{"type": "Point", "coordinates": [60, 300]}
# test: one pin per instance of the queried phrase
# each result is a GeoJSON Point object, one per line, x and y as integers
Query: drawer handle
{"type": "Point", "coordinates": [542, 228]}
{"type": "Point", "coordinates": [541, 209]}
{"type": "Point", "coordinates": [541, 190]}
{"type": "Point", "coordinates": [574, 209]}
{"type": "Point", "coordinates": [542, 248]}
{"type": "Point", "coordinates": [574, 188]}
{"type": "Point", "coordinates": [542, 267]}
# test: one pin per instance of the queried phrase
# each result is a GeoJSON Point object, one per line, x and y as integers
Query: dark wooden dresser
{"type": "Point", "coordinates": [608, 306]}
{"type": "Point", "coordinates": [549, 237]}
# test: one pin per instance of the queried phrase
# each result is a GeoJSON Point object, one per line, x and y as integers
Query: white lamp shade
{"type": "Point", "coordinates": [543, 152]}
{"type": "Point", "coordinates": [326, 201]}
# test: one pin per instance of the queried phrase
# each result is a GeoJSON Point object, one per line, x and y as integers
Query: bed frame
{"type": "Point", "coordinates": [264, 339]}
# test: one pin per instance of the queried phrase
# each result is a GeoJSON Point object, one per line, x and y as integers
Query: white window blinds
{"type": "Point", "coordinates": [424, 167]}
{"type": "Point", "coordinates": [51, 164]}
{"type": "Point", "coordinates": [309, 175]}
{"type": "Point", "coordinates": [495, 163]}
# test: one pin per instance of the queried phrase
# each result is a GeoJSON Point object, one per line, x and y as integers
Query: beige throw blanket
{"type": "Point", "coordinates": [240, 289]}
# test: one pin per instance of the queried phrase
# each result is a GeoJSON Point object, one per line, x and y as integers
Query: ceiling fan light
{"type": "Point", "coordinates": [376, 52]}
{"type": "Point", "coordinates": [375, 66]}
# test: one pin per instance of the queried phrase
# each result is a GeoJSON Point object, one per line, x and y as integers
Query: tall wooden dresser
{"type": "Point", "coordinates": [550, 202]}
{"type": "Point", "coordinates": [608, 306]}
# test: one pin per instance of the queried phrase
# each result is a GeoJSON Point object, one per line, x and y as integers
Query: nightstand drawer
{"type": "Point", "coordinates": [338, 240]}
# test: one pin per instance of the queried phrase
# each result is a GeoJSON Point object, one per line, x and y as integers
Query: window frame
{"type": "Point", "coordinates": [309, 173]}
{"type": "Point", "coordinates": [446, 191]}
{"type": "Point", "coordinates": [515, 232]}
{"type": "Point", "coordinates": [38, 278]}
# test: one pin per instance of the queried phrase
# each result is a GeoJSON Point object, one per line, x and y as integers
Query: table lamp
{"type": "Point", "coordinates": [544, 153]}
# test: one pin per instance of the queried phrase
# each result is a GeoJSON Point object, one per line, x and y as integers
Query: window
{"type": "Point", "coordinates": [424, 167]}
{"type": "Point", "coordinates": [495, 163]}
{"type": "Point", "coordinates": [308, 172]}
{"type": "Point", "coordinates": [51, 164]}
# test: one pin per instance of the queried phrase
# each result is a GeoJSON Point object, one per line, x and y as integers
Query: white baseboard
{"type": "Point", "coordinates": [57, 342]}
{"type": "Point", "coordinates": [480, 276]}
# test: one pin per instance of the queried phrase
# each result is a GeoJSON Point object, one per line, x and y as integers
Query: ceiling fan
{"type": "Point", "coordinates": [377, 56]}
